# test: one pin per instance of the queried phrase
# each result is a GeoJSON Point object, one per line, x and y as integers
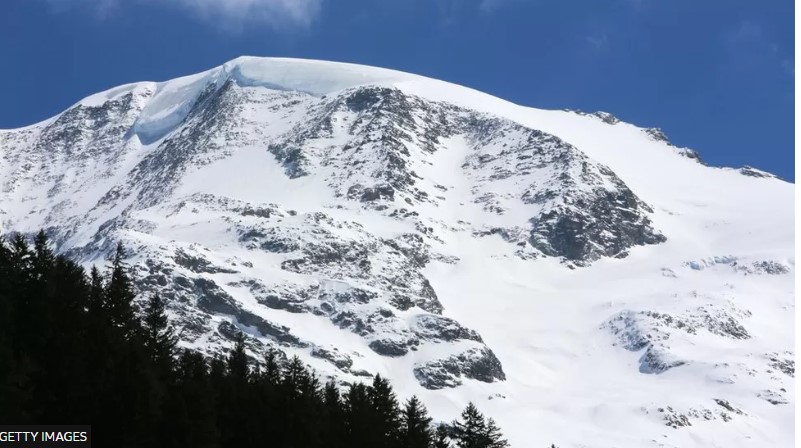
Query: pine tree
{"type": "Point", "coordinates": [385, 414]}
{"type": "Point", "coordinates": [471, 431]}
{"type": "Point", "coordinates": [191, 405]}
{"type": "Point", "coordinates": [43, 257]}
{"type": "Point", "coordinates": [217, 372]}
{"type": "Point", "coordinates": [159, 337]}
{"type": "Point", "coordinates": [66, 363]}
{"type": "Point", "coordinates": [270, 396]}
{"type": "Point", "coordinates": [272, 368]}
{"type": "Point", "coordinates": [358, 416]}
{"type": "Point", "coordinates": [96, 292]}
{"type": "Point", "coordinates": [415, 429]}
{"type": "Point", "coordinates": [20, 256]}
{"type": "Point", "coordinates": [295, 378]}
{"type": "Point", "coordinates": [119, 295]}
{"type": "Point", "coordinates": [303, 404]}
{"type": "Point", "coordinates": [41, 290]}
{"type": "Point", "coordinates": [476, 432]}
{"type": "Point", "coordinates": [16, 388]}
{"type": "Point", "coordinates": [441, 439]}
{"type": "Point", "coordinates": [23, 326]}
{"type": "Point", "coordinates": [332, 397]}
{"type": "Point", "coordinates": [333, 432]}
{"type": "Point", "coordinates": [238, 363]}
{"type": "Point", "coordinates": [493, 436]}
{"type": "Point", "coordinates": [236, 408]}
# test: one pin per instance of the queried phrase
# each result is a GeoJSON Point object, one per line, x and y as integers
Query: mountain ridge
{"type": "Point", "coordinates": [366, 225]}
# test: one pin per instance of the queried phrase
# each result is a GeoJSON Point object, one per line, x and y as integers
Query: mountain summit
{"type": "Point", "coordinates": [584, 280]}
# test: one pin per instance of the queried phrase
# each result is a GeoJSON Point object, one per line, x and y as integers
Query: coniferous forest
{"type": "Point", "coordinates": [74, 350]}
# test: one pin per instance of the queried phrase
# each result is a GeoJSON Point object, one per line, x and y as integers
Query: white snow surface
{"type": "Point", "coordinates": [559, 332]}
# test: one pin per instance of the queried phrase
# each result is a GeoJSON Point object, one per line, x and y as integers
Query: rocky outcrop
{"type": "Point", "coordinates": [743, 266]}
{"type": "Point", "coordinates": [477, 364]}
{"type": "Point", "coordinates": [675, 418]}
{"type": "Point", "coordinates": [783, 362]}
{"type": "Point", "coordinates": [754, 172]}
{"type": "Point", "coordinates": [653, 332]}
{"type": "Point", "coordinates": [584, 211]}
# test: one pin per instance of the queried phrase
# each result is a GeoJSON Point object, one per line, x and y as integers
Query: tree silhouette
{"type": "Point", "coordinates": [415, 429]}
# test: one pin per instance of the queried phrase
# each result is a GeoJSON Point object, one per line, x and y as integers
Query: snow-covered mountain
{"type": "Point", "coordinates": [581, 279]}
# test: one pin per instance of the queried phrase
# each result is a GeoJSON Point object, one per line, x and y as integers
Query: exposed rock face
{"type": "Point", "coordinates": [753, 172]}
{"type": "Point", "coordinates": [577, 235]}
{"type": "Point", "coordinates": [606, 117]}
{"type": "Point", "coordinates": [690, 154]}
{"type": "Point", "coordinates": [676, 419]}
{"type": "Point", "coordinates": [659, 135]}
{"type": "Point", "coordinates": [340, 360]}
{"type": "Point", "coordinates": [784, 363]}
{"type": "Point", "coordinates": [745, 267]}
{"type": "Point", "coordinates": [772, 397]}
{"type": "Point", "coordinates": [477, 364]}
{"type": "Point", "coordinates": [345, 274]}
{"type": "Point", "coordinates": [653, 331]}
{"type": "Point", "coordinates": [583, 210]}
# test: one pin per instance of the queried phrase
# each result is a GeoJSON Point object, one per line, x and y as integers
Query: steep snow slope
{"type": "Point", "coordinates": [581, 279]}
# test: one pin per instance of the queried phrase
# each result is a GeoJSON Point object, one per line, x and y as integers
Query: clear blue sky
{"type": "Point", "coordinates": [716, 75]}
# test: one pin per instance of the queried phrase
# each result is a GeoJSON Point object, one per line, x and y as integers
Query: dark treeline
{"type": "Point", "coordinates": [74, 351]}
